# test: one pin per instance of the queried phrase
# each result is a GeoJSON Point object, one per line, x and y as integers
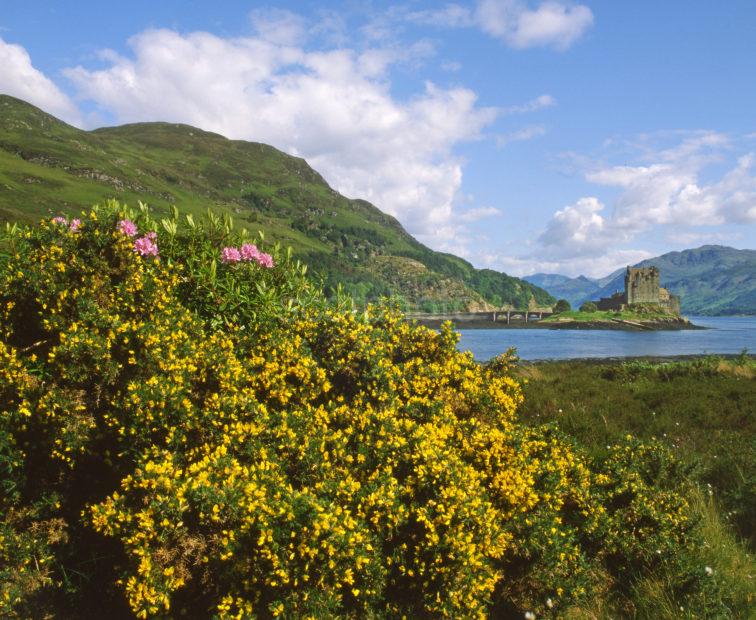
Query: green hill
{"type": "Point", "coordinates": [47, 166]}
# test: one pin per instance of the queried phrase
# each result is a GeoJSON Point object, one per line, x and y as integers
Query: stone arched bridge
{"type": "Point", "coordinates": [505, 316]}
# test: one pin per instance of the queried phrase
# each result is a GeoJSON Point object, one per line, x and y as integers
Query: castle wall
{"type": "Point", "coordinates": [642, 285]}
{"type": "Point", "coordinates": [671, 303]}
{"type": "Point", "coordinates": [615, 302]}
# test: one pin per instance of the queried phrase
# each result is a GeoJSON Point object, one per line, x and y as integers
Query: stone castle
{"type": "Point", "coordinates": [641, 287]}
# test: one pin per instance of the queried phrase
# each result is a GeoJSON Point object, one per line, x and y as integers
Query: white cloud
{"type": "Point", "coordinates": [451, 66]}
{"type": "Point", "coordinates": [334, 108]}
{"type": "Point", "coordinates": [590, 266]}
{"type": "Point", "coordinates": [670, 189]}
{"type": "Point", "coordinates": [580, 229]}
{"type": "Point", "coordinates": [279, 26]}
{"type": "Point", "coordinates": [526, 133]}
{"type": "Point", "coordinates": [19, 78]}
{"type": "Point", "coordinates": [539, 103]}
{"type": "Point", "coordinates": [450, 16]}
{"type": "Point", "coordinates": [689, 239]}
{"type": "Point", "coordinates": [551, 23]}
{"type": "Point", "coordinates": [579, 239]}
{"type": "Point", "coordinates": [479, 213]}
{"type": "Point", "coordinates": [665, 190]}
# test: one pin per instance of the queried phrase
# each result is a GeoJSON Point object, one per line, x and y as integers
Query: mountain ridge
{"type": "Point", "coordinates": [47, 166]}
{"type": "Point", "coordinates": [711, 280]}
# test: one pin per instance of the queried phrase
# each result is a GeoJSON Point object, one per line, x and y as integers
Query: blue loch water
{"type": "Point", "coordinates": [725, 335]}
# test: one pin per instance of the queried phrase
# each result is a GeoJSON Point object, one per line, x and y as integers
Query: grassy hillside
{"type": "Point", "coordinates": [48, 166]}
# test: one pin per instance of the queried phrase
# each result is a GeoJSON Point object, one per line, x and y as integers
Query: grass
{"type": "Point", "coordinates": [607, 315]}
{"type": "Point", "coordinates": [704, 409]}
{"type": "Point", "coordinates": [730, 583]}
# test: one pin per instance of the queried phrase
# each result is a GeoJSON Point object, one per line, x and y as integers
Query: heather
{"type": "Point", "coordinates": [188, 428]}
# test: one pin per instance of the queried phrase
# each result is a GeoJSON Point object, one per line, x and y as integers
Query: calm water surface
{"type": "Point", "coordinates": [726, 335]}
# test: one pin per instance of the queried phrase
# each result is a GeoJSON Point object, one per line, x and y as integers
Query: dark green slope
{"type": "Point", "coordinates": [47, 166]}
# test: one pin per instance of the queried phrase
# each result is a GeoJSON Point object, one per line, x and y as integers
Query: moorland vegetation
{"type": "Point", "coordinates": [189, 428]}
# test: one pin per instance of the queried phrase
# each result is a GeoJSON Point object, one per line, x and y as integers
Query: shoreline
{"type": "Point", "coordinates": [616, 325]}
{"type": "Point", "coordinates": [659, 359]}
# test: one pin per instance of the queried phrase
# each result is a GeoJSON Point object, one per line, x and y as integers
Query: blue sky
{"type": "Point", "coordinates": [567, 137]}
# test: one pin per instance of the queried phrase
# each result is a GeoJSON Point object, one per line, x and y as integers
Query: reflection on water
{"type": "Point", "coordinates": [726, 335]}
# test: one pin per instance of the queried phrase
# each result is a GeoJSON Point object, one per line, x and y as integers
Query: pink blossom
{"type": "Point", "coordinates": [75, 225]}
{"type": "Point", "coordinates": [146, 245]}
{"type": "Point", "coordinates": [230, 255]}
{"type": "Point", "coordinates": [265, 260]}
{"type": "Point", "coordinates": [249, 251]}
{"type": "Point", "coordinates": [127, 227]}
{"type": "Point", "coordinates": [59, 219]}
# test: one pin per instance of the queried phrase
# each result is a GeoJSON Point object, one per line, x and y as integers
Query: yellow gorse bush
{"type": "Point", "coordinates": [330, 464]}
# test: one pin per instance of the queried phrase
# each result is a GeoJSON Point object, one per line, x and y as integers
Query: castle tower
{"type": "Point", "coordinates": [642, 285]}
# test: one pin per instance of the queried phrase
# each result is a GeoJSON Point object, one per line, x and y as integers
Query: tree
{"type": "Point", "coordinates": [562, 306]}
{"type": "Point", "coordinates": [588, 306]}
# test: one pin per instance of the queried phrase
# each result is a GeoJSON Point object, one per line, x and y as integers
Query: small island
{"type": "Point", "coordinates": [643, 305]}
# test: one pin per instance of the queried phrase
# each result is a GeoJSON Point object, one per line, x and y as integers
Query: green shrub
{"type": "Point", "coordinates": [588, 306]}
{"type": "Point", "coordinates": [193, 433]}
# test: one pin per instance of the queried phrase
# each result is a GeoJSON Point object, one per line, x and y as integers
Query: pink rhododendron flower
{"type": "Point", "coordinates": [146, 245]}
{"type": "Point", "coordinates": [249, 251]}
{"type": "Point", "coordinates": [127, 227]}
{"type": "Point", "coordinates": [75, 225]}
{"type": "Point", "coordinates": [230, 255]}
{"type": "Point", "coordinates": [265, 260]}
{"type": "Point", "coordinates": [60, 220]}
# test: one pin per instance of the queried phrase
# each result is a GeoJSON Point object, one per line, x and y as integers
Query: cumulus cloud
{"type": "Point", "coordinates": [665, 189]}
{"type": "Point", "coordinates": [590, 266]}
{"type": "Point", "coordinates": [670, 189]}
{"type": "Point", "coordinates": [333, 107]}
{"type": "Point", "coordinates": [21, 79]}
{"type": "Point", "coordinates": [579, 239]}
{"type": "Point", "coordinates": [479, 213]}
{"type": "Point", "coordinates": [551, 23]}
{"type": "Point", "coordinates": [580, 229]}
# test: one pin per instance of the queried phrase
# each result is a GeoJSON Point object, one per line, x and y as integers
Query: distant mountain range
{"type": "Point", "coordinates": [711, 280]}
{"type": "Point", "coordinates": [47, 166]}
